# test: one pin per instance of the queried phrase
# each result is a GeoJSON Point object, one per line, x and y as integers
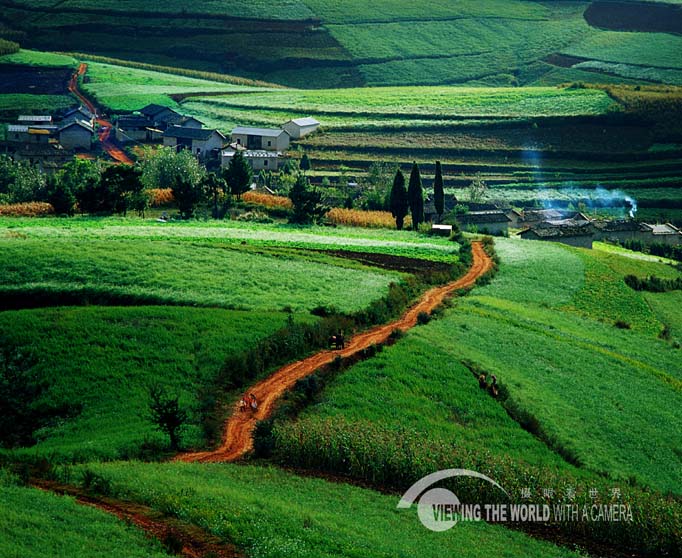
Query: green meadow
{"type": "Point", "coordinates": [271, 513]}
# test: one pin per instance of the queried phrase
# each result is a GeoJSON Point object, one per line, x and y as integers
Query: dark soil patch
{"type": "Point", "coordinates": [34, 80]}
{"type": "Point", "coordinates": [563, 60]}
{"type": "Point", "coordinates": [635, 16]}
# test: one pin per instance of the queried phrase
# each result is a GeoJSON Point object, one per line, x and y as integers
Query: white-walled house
{"type": "Point", "coordinates": [301, 127]}
{"type": "Point", "coordinates": [269, 139]}
{"type": "Point", "coordinates": [202, 142]}
{"type": "Point", "coordinates": [258, 159]}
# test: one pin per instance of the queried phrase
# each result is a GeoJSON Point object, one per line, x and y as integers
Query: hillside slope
{"type": "Point", "coordinates": [354, 43]}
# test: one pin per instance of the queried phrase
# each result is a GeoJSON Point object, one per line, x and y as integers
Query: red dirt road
{"type": "Point", "coordinates": [237, 437]}
{"type": "Point", "coordinates": [114, 151]}
{"type": "Point", "coordinates": [195, 542]}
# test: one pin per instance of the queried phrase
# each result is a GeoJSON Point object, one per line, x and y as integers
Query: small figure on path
{"type": "Point", "coordinates": [242, 405]}
{"type": "Point", "coordinates": [494, 391]}
{"type": "Point", "coordinates": [482, 381]}
{"type": "Point", "coordinates": [254, 403]}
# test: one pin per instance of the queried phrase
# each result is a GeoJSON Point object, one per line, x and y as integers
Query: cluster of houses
{"type": "Point", "coordinates": [48, 141]}
{"type": "Point", "coordinates": [263, 148]}
{"type": "Point", "coordinates": [558, 225]}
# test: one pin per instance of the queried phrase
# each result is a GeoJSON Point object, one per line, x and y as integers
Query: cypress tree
{"type": "Point", "coordinates": [398, 200]}
{"type": "Point", "coordinates": [438, 193]}
{"type": "Point", "coordinates": [415, 197]}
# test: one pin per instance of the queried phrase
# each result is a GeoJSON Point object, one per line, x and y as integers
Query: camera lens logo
{"type": "Point", "coordinates": [438, 508]}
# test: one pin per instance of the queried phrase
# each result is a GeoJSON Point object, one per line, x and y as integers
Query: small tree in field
{"type": "Point", "coordinates": [238, 175]}
{"type": "Point", "coordinates": [307, 203]}
{"type": "Point", "coordinates": [214, 186]}
{"type": "Point", "coordinates": [304, 165]}
{"type": "Point", "coordinates": [187, 195]}
{"type": "Point", "coordinates": [415, 196]}
{"type": "Point", "coordinates": [398, 202]}
{"type": "Point", "coordinates": [60, 196]}
{"type": "Point", "coordinates": [438, 192]}
{"type": "Point", "coordinates": [166, 414]}
{"type": "Point", "coordinates": [477, 189]}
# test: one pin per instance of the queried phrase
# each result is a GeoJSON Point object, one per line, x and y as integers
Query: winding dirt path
{"type": "Point", "coordinates": [237, 436]}
{"type": "Point", "coordinates": [104, 133]}
{"type": "Point", "coordinates": [192, 541]}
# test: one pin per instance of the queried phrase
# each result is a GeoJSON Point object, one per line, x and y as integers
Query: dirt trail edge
{"type": "Point", "coordinates": [237, 436]}
{"type": "Point", "coordinates": [114, 151]}
{"type": "Point", "coordinates": [186, 539]}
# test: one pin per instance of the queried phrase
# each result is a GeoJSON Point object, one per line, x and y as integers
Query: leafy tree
{"type": "Point", "coordinates": [214, 186]}
{"type": "Point", "coordinates": [60, 196]}
{"type": "Point", "coordinates": [304, 165]}
{"type": "Point", "coordinates": [122, 189]}
{"type": "Point", "coordinates": [307, 203]}
{"type": "Point", "coordinates": [22, 408]}
{"type": "Point", "coordinates": [238, 175]}
{"type": "Point", "coordinates": [438, 192]}
{"type": "Point", "coordinates": [20, 182]}
{"type": "Point", "coordinates": [477, 189]}
{"type": "Point", "coordinates": [398, 202]}
{"type": "Point", "coordinates": [167, 415]}
{"type": "Point", "coordinates": [164, 168]}
{"type": "Point", "coordinates": [415, 197]}
{"type": "Point", "coordinates": [82, 177]}
{"type": "Point", "coordinates": [188, 195]}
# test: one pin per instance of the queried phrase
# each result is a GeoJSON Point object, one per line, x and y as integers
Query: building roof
{"type": "Point", "coordinates": [132, 121]}
{"type": "Point", "coordinates": [568, 229]}
{"type": "Point", "coordinates": [665, 229]}
{"type": "Point", "coordinates": [449, 203]}
{"type": "Point", "coordinates": [34, 118]}
{"type": "Point", "coordinates": [79, 123]}
{"type": "Point", "coordinates": [39, 131]}
{"type": "Point", "coordinates": [303, 122]}
{"type": "Point", "coordinates": [618, 225]}
{"type": "Point", "coordinates": [482, 217]}
{"type": "Point", "coordinates": [153, 110]}
{"type": "Point", "coordinates": [253, 153]}
{"type": "Point", "coordinates": [201, 134]}
{"type": "Point", "coordinates": [80, 110]}
{"type": "Point", "coordinates": [264, 132]}
{"type": "Point", "coordinates": [17, 128]}
{"type": "Point", "coordinates": [176, 119]}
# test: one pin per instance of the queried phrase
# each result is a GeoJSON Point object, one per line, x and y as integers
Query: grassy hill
{"type": "Point", "coordinates": [353, 43]}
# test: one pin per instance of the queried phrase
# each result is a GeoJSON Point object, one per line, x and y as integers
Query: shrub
{"type": "Point", "coordinates": [29, 209]}
{"type": "Point", "coordinates": [620, 324]}
{"type": "Point", "coordinates": [423, 318]}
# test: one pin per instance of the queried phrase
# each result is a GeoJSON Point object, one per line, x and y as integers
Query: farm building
{"type": "Point", "coordinates": [664, 234]}
{"type": "Point", "coordinates": [618, 230]}
{"type": "Point", "coordinates": [533, 216]}
{"type": "Point", "coordinates": [76, 135]}
{"type": "Point", "coordinates": [566, 231]}
{"type": "Point", "coordinates": [135, 128]}
{"type": "Point", "coordinates": [21, 133]}
{"type": "Point", "coordinates": [33, 120]}
{"type": "Point", "coordinates": [441, 230]}
{"type": "Point", "coordinates": [488, 222]}
{"type": "Point", "coordinates": [301, 127]}
{"type": "Point", "coordinates": [157, 114]}
{"type": "Point", "coordinates": [430, 214]}
{"type": "Point", "coordinates": [515, 217]}
{"type": "Point", "coordinates": [269, 139]}
{"type": "Point", "coordinates": [80, 113]}
{"type": "Point", "coordinates": [203, 143]}
{"type": "Point", "coordinates": [258, 159]}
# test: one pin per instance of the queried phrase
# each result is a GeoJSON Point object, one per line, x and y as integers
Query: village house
{"type": "Point", "coordinates": [533, 216]}
{"type": "Point", "coordinates": [486, 222]}
{"type": "Point", "coordinates": [301, 127]}
{"type": "Point", "coordinates": [666, 233]}
{"type": "Point", "coordinates": [430, 213]}
{"type": "Point", "coordinates": [76, 135]}
{"type": "Point", "coordinates": [157, 115]}
{"type": "Point", "coordinates": [258, 159]}
{"type": "Point", "coordinates": [135, 128]}
{"type": "Point", "coordinates": [23, 134]}
{"type": "Point", "coordinates": [566, 231]}
{"type": "Point", "coordinates": [268, 139]}
{"type": "Point", "coordinates": [80, 113]}
{"type": "Point", "coordinates": [515, 217]}
{"type": "Point", "coordinates": [204, 143]}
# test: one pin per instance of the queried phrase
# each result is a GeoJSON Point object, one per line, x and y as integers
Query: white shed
{"type": "Point", "coordinates": [301, 127]}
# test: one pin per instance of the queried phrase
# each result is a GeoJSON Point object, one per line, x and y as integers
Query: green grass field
{"type": "Point", "coordinates": [186, 273]}
{"type": "Point", "coordinates": [107, 359]}
{"type": "Point", "coordinates": [271, 513]}
{"type": "Point", "coordinates": [38, 524]}
{"type": "Point", "coordinates": [37, 58]}
{"type": "Point", "coordinates": [545, 328]}
{"type": "Point", "coordinates": [351, 43]}
{"type": "Point", "coordinates": [27, 103]}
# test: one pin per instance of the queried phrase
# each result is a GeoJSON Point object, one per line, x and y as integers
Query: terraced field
{"type": "Point", "coordinates": [352, 43]}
